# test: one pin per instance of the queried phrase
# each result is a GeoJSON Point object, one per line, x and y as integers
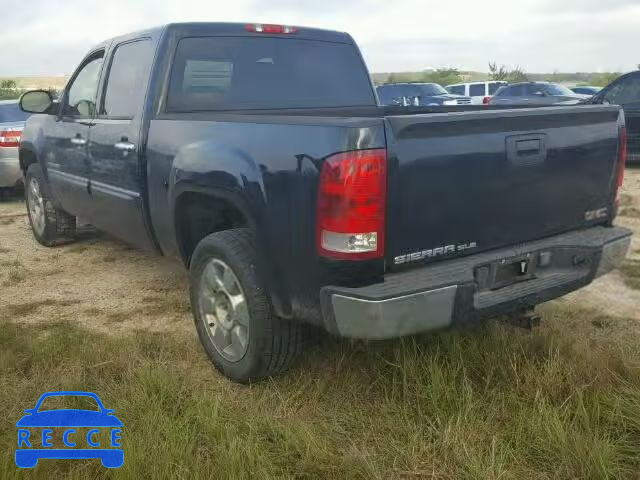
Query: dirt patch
{"type": "Point", "coordinates": [97, 282]}
{"type": "Point", "coordinates": [613, 294]}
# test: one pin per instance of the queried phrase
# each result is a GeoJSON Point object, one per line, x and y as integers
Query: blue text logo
{"type": "Point", "coordinates": [77, 433]}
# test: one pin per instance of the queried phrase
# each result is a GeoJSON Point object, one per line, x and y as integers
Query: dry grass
{"type": "Point", "coordinates": [631, 212]}
{"type": "Point", "coordinates": [631, 273]}
{"type": "Point", "coordinates": [492, 402]}
{"type": "Point", "coordinates": [14, 272]}
{"type": "Point", "coordinates": [14, 311]}
{"type": "Point", "coordinates": [562, 401]}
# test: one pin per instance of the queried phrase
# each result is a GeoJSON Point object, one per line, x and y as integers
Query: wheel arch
{"type": "Point", "coordinates": [26, 157]}
{"type": "Point", "coordinates": [198, 212]}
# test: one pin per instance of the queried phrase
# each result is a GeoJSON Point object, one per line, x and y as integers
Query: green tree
{"type": "Point", "coordinates": [443, 76]}
{"type": "Point", "coordinates": [503, 73]}
{"type": "Point", "coordinates": [8, 84]}
{"type": "Point", "coordinates": [603, 79]}
{"type": "Point", "coordinates": [498, 72]}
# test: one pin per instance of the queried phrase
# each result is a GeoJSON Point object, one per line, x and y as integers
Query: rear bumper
{"type": "Point", "coordinates": [464, 290]}
{"type": "Point", "coordinates": [10, 173]}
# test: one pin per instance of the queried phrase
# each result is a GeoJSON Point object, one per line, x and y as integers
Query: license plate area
{"type": "Point", "coordinates": [506, 271]}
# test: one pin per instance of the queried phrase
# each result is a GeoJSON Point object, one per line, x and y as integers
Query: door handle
{"type": "Point", "coordinates": [125, 146]}
{"type": "Point", "coordinates": [79, 141]}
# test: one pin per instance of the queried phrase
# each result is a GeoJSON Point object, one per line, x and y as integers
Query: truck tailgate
{"type": "Point", "coordinates": [464, 182]}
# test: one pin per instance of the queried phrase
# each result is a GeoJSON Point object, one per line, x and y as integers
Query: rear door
{"type": "Point", "coordinates": [117, 179]}
{"type": "Point", "coordinates": [66, 141]}
{"type": "Point", "coordinates": [487, 179]}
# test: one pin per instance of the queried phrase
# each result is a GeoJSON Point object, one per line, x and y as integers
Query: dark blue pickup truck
{"type": "Point", "coordinates": [259, 156]}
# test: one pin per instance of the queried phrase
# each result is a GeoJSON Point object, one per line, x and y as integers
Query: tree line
{"type": "Point", "coordinates": [495, 71]}
{"type": "Point", "coordinates": [9, 90]}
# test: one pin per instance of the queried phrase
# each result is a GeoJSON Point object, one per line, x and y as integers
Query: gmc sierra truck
{"type": "Point", "coordinates": [259, 155]}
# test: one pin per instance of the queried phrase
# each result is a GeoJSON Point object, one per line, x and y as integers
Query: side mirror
{"type": "Point", "coordinates": [29, 410]}
{"type": "Point", "coordinates": [540, 94]}
{"type": "Point", "coordinates": [36, 101]}
{"type": "Point", "coordinates": [109, 411]}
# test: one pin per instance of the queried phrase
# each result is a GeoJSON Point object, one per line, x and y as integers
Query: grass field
{"type": "Point", "coordinates": [492, 401]}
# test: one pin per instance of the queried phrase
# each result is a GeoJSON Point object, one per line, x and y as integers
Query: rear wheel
{"type": "Point", "coordinates": [50, 225]}
{"type": "Point", "coordinates": [244, 339]}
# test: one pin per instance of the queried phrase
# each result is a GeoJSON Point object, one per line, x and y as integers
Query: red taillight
{"type": "Point", "coordinates": [486, 100]}
{"type": "Point", "coordinates": [622, 160]}
{"type": "Point", "coordinates": [10, 137]}
{"type": "Point", "coordinates": [269, 28]}
{"type": "Point", "coordinates": [351, 205]}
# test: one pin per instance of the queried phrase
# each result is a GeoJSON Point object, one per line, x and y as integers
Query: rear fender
{"type": "Point", "coordinates": [213, 169]}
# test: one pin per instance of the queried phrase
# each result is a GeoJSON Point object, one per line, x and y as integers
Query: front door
{"type": "Point", "coordinates": [626, 92]}
{"type": "Point", "coordinates": [66, 143]}
{"type": "Point", "coordinates": [116, 173]}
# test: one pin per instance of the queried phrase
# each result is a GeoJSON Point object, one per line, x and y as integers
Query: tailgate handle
{"type": "Point", "coordinates": [528, 147]}
{"type": "Point", "coordinates": [526, 150]}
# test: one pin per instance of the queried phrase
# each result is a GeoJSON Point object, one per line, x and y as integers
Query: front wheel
{"type": "Point", "coordinates": [50, 225]}
{"type": "Point", "coordinates": [235, 322]}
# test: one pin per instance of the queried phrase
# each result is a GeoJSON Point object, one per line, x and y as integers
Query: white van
{"type": "Point", "coordinates": [478, 91]}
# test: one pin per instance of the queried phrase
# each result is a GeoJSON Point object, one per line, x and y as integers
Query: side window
{"type": "Point", "coordinates": [625, 91]}
{"type": "Point", "coordinates": [513, 91]}
{"type": "Point", "coordinates": [534, 89]}
{"type": "Point", "coordinates": [456, 89]}
{"type": "Point", "coordinates": [81, 97]}
{"type": "Point", "coordinates": [127, 79]}
{"type": "Point", "coordinates": [476, 90]}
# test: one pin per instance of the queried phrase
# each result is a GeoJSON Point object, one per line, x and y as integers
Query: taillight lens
{"type": "Point", "coordinates": [622, 160]}
{"type": "Point", "coordinates": [485, 100]}
{"type": "Point", "coordinates": [351, 205]}
{"type": "Point", "coordinates": [10, 137]}
{"type": "Point", "coordinates": [269, 28]}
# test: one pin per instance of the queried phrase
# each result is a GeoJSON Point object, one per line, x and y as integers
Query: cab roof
{"type": "Point", "coordinates": [229, 29]}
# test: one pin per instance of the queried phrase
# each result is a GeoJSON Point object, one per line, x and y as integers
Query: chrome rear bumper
{"type": "Point", "coordinates": [457, 291]}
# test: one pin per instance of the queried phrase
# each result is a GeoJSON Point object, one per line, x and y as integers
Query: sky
{"type": "Point", "coordinates": [49, 37]}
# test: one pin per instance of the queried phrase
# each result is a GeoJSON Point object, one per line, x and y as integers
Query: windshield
{"type": "Point", "coordinates": [555, 89]}
{"type": "Point", "coordinates": [10, 112]}
{"type": "Point", "coordinates": [432, 89]}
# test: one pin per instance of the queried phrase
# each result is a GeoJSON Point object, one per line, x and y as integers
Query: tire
{"type": "Point", "coordinates": [272, 344]}
{"type": "Point", "coordinates": [50, 225]}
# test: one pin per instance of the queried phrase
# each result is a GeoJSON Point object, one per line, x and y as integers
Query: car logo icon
{"type": "Point", "coordinates": [32, 446]}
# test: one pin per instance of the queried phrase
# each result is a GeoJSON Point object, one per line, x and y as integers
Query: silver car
{"type": "Point", "coordinates": [535, 93]}
{"type": "Point", "coordinates": [12, 121]}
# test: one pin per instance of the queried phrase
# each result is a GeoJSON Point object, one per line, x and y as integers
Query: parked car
{"type": "Point", "coordinates": [418, 94]}
{"type": "Point", "coordinates": [535, 93]}
{"type": "Point", "coordinates": [11, 124]}
{"type": "Point", "coordinates": [480, 92]}
{"type": "Point", "coordinates": [625, 91]}
{"type": "Point", "coordinates": [257, 154]}
{"type": "Point", "coordinates": [585, 90]}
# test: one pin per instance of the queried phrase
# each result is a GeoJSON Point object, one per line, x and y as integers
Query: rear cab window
{"type": "Point", "coordinates": [236, 73]}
